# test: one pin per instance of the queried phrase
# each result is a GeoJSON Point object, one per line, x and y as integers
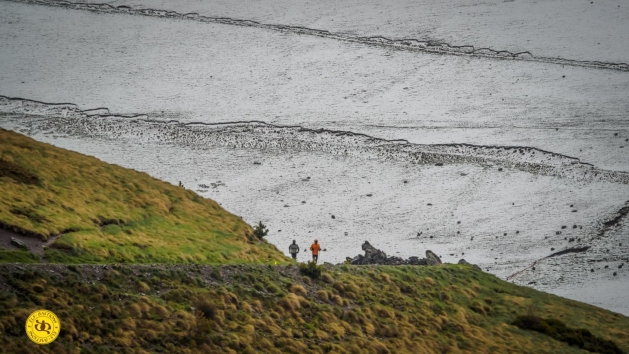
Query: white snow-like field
{"type": "Point", "coordinates": [305, 119]}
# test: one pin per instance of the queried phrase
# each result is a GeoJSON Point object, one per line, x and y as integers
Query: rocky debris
{"type": "Point", "coordinates": [212, 185]}
{"type": "Point", "coordinates": [463, 261]}
{"type": "Point", "coordinates": [416, 261]}
{"type": "Point", "coordinates": [372, 252]}
{"type": "Point", "coordinates": [19, 244]}
{"type": "Point", "coordinates": [376, 256]}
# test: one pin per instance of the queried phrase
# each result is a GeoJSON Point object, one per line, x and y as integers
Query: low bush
{"type": "Point", "coordinates": [260, 230]}
{"type": "Point", "coordinates": [311, 269]}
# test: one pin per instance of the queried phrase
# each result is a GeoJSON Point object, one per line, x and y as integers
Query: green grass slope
{"type": "Point", "coordinates": [109, 214]}
{"type": "Point", "coordinates": [274, 309]}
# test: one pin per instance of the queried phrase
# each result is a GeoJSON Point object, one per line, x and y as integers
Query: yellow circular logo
{"type": "Point", "coordinates": [43, 327]}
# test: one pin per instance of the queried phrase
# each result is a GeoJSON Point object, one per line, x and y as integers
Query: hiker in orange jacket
{"type": "Point", "coordinates": [315, 248]}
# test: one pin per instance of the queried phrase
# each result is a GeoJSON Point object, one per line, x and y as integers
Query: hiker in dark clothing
{"type": "Point", "coordinates": [293, 249]}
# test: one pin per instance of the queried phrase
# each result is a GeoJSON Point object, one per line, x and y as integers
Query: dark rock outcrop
{"type": "Point", "coordinates": [376, 256]}
{"type": "Point", "coordinates": [432, 258]}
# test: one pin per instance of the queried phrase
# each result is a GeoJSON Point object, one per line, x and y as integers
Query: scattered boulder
{"type": "Point", "coordinates": [432, 258]}
{"type": "Point", "coordinates": [463, 261]}
{"type": "Point", "coordinates": [19, 244]}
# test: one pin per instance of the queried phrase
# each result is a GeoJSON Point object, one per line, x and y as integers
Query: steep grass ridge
{"type": "Point", "coordinates": [109, 214]}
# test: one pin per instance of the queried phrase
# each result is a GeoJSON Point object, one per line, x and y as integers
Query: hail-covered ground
{"type": "Point", "coordinates": [494, 131]}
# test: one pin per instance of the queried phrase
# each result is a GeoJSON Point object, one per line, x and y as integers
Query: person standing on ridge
{"type": "Point", "coordinates": [315, 248]}
{"type": "Point", "coordinates": [293, 249]}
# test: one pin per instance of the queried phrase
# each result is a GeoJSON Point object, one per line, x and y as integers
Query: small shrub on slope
{"type": "Point", "coordinates": [260, 231]}
{"type": "Point", "coordinates": [311, 270]}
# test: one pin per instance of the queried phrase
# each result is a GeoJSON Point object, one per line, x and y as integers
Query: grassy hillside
{"type": "Point", "coordinates": [180, 303]}
{"type": "Point", "coordinates": [274, 309]}
{"type": "Point", "coordinates": [109, 214]}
